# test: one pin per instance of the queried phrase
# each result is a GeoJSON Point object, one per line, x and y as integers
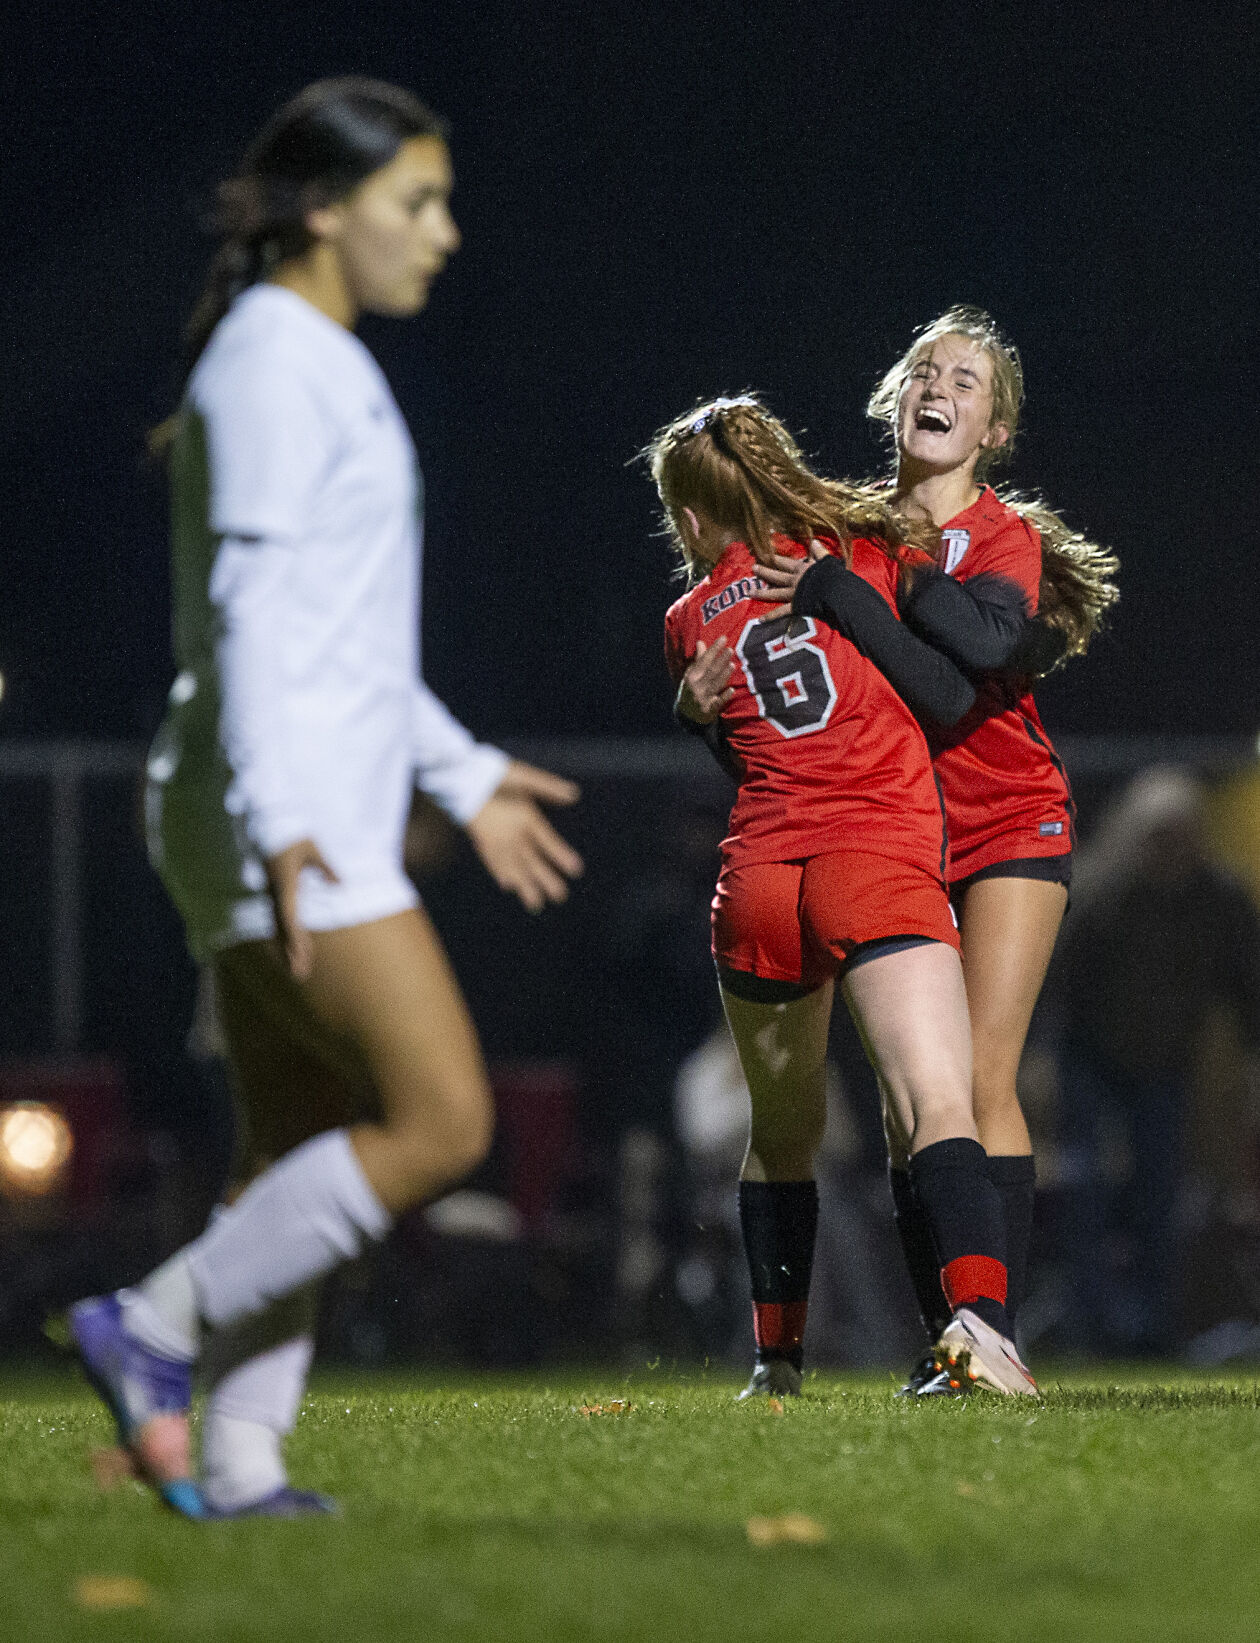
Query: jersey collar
{"type": "Point", "coordinates": [986, 508]}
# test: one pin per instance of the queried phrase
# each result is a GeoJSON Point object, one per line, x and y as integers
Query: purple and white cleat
{"type": "Point", "coordinates": [147, 1395]}
{"type": "Point", "coordinates": [285, 1502]}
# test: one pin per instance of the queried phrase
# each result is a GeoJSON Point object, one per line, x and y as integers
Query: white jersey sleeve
{"type": "Point", "coordinates": [270, 444]}
{"type": "Point", "coordinates": [457, 773]}
{"type": "Point", "coordinates": [248, 593]}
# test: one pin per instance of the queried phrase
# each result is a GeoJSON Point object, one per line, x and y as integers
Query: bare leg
{"type": "Point", "coordinates": [911, 1011]}
{"type": "Point", "coordinates": [1008, 933]}
{"type": "Point", "coordinates": [783, 1052]}
{"type": "Point", "coordinates": [383, 999]}
{"type": "Point", "coordinates": [388, 1041]}
{"type": "Point", "coordinates": [389, 990]}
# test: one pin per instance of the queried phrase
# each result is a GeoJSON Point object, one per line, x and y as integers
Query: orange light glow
{"type": "Point", "coordinates": [35, 1146]}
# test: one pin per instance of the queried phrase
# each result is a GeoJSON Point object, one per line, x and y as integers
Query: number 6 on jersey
{"type": "Point", "coordinates": [788, 676]}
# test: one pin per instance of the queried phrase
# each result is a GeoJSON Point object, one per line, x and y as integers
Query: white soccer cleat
{"type": "Point", "coordinates": [974, 1354]}
{"type": "Point", "coordinates": [776, 1378]}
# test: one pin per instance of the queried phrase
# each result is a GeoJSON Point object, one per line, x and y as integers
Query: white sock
{"type": "Point", "coordinates": [295, 1223]}
{"type": "Point", "coordinates": [240, 1462]}
{"type": "Point", "coordinates": [162, 1311]}
{"type": "Point", "coordinates": [256, 1373]}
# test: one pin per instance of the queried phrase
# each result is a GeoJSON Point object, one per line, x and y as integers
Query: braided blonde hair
{"type": "Point", "coordinates": [733, 461]}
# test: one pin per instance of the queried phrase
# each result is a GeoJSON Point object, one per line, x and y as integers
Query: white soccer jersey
{"type": "Point", "coordinates": [298, 710]}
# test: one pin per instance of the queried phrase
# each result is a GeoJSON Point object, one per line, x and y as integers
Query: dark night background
{"type": "Point", "coordinates": [657, 203]}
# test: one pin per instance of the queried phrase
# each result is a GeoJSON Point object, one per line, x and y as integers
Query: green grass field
{"type": "Point", "coordinates": [494, 1509]}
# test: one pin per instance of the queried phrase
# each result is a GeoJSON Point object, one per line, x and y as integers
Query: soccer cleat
{"type": "Point", "coordinates": [928, 1380]}
{"type": "Point", "coordinates": [972, 1353]}
{"type": "Point", "coordinates": [775, 1378]}
{"type": "Point", "coordinates": [148, 1396]}
{"type": "Point", "coordinates": [285, 1502]}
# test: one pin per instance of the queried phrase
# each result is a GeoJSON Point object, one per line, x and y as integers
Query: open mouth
{"type": "Point", "coordinates": [932, 422]}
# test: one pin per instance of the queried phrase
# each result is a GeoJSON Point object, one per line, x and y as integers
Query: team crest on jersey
{"type": "Point", "coordinates": [734, 593]}
{"type": "Point", "coordinates": [955, 543]}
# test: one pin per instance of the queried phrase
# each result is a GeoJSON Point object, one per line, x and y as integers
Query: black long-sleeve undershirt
{"type": "Point", "coordinates": [929, 683]}
{"type": "Point", "coordinates": [977, 623]}
{"type": "Point", "coordinates": [1040, 651]}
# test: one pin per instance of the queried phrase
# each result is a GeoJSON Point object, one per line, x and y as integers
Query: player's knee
{"type": "Point", "coordinates": [993, 1086]}
{"type": "Point", "coordinates": [445, 1137]}
{"type": "Point", "coordinates": [786, 1149]}
{"type": "Point", "coordinates": [471, 1133]}
{"type": "Point", "coordinates": [462, 1130]}
{"type": "Point", "coordinates": [943, 1109]}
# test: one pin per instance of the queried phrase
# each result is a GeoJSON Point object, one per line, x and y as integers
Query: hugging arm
{"type": "Point", "coordinates": [714, 738]}
{"type": "Point", "coordinates": [978, 623]}
{"type": "Point", "coordinates": [929, 683]}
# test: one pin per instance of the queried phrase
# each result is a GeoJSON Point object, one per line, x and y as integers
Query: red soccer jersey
{"type": "Point", "coordinates": [1006, 793]}
{"type": "Point", "coordinates": [831, 757]}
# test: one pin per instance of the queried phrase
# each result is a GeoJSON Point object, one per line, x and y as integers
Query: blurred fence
{"type": "Point", "coordinates": [62, 800]}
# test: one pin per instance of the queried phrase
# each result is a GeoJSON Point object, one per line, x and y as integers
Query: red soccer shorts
{"type": "Point", "coordinates": [801, 921]}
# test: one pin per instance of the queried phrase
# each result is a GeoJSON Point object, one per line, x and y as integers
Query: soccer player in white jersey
{"type": "Point", "coordinates": [280, 784]}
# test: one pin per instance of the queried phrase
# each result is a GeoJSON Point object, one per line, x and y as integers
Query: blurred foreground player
{"type": "Point", "coordinates": [832, 868]}
{"type": "Point", "coordinates": [1009, 592]}
{"type": "Point", "coordinates": [280, 784]}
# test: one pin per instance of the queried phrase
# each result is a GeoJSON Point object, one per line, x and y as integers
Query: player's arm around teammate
{"type": "Point", "coordinates": [832, 869]}
{"type": "Point", "coordinates": [281, 781]}
{"type": "Point", "coordinates": [951, 405]}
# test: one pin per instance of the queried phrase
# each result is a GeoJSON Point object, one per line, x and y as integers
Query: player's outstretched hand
{"type": "Point", "coordinates": [284, 874]}
{"type": "Point", "coordinates": [705, 688]}
{"type": "Point", "coordinates": [518, 846]}
{"type": "Point", "coordinates": [782, 577]}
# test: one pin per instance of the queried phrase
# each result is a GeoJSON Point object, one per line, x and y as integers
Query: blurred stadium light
{"type": "Point", "coordinates": [35, 1147]}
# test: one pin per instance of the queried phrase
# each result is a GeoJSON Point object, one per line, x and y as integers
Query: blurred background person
{"type": "Point", "coordinates": [1161, 939]}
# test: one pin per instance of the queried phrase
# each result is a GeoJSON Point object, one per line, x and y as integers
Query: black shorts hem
{"type": "Point", "coordinates": [756, 989]}
{"type": "Point", "coordinates": [761, 990]}
{"type": "Point", "coordinates": [1048, 869]}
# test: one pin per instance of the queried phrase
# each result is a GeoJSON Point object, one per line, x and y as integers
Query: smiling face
{"type": "Point", "coordinates": [392, 235]}
{"type": "Point", "coordinates": [945, 411]}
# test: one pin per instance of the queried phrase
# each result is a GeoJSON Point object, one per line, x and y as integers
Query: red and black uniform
{"type": "Point", "coordinates": [836, 841]}
{"type": "Point", "coordinates": [1007, 800]}
{"type": "Point", "coordinates": [836, 836]}
{"type": "Point", "coordinates": [1006, 794]}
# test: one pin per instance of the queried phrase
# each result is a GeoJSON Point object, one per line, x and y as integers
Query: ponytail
{"type": "Point", "coordinates": [1077, 576]}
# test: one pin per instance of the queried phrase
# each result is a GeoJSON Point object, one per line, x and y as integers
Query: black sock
{"type": "Point", "coordinates": [922, 1262]}
{"type": "Point", "coordinates": [1015, 1177]}
{"type": "Point", "coordinates": [963, 1210]}
{"type": "Point", "coordinates": [779, 1221]}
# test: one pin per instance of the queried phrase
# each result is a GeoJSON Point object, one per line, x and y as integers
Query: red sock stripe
{"type": "Point", "coordinates": [778, 1326]}
{"type": "Point", "coordinates": [972, 1278]}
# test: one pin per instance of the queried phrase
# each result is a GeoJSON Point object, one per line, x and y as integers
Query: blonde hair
{"type": "Point", "coordinates": [731, 460]}
{"type": "Point", "coordinates": [1077, 576]}
{"type": "Point", "coordinates": [1008, 376]}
